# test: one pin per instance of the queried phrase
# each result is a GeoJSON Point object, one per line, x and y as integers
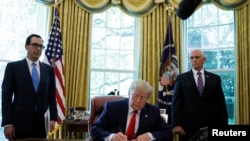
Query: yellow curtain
{"type": "Point", "coordinates": [243, 65]}
{"type": "Point", "coordinates": [75, 26]}
{"type": "Point", "coordinates": [153, 35]}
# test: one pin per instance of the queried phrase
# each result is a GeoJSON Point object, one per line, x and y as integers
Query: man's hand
{"type": "Point", "coordinates": [143, 137]}
{"type": "Point", "coordinates": [119, 137]}
{"type": "Point", "coordinates": [52, 125]}
{"type": "Point", "coordinates": [9, 132]}
{"type": "Point", "coordinates": [179, 130]}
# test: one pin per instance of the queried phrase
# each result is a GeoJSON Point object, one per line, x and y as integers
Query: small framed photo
{"type": "Point", "coordinates": [162, 111]}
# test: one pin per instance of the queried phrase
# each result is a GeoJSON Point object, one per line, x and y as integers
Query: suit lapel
{"type": "Point", "coordinates": [123, 116]}
{"type": "Point", "coordinates": [207, 80]}
{"type": "Point", "coordinates": [192, 81]}
{"type": "Point", "coordinates": [143, 119]}
{"type": "Point", "coordinates": [26, 73]}
{"type": "Point", "coordinates": [43, 75]}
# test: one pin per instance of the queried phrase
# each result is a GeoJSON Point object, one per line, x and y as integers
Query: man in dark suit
{"type": "Point", "coordinates": [23, 107]}
{"type": "Point", "coordinates": [115, 118]}
{"type": "Point", "coordinates": [193, 109]}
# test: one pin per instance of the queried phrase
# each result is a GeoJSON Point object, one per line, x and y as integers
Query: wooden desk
{"type": "Point", "coordinates": [75, 128]}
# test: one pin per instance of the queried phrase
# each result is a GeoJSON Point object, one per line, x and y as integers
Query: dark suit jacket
{"type": "Point", "coordinates": [192, 111]}
{"type": "Point", "coordinates": [114, 118]}
{"type": "Point", "coordinates": [17, 84]}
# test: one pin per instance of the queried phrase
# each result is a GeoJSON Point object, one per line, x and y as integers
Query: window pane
{"type": "Point", "coordinates": [99, 41]}
{"type": "Point", "coordinates": [112, 59]}
{"type": "Point", "coordinates": [193, 38]}
{"type": "Point", "coordinates": [110, 82]}
{"type": "Point", "coordinates": [127, 60]}
{"type": "Point", "coordinates": [97, 58]}
{"type": "Point", "coordinates": [97, 84]}
{"type": "Point", "coordinates": [209, 37]}
{"type": "Point", "coordinates": [113, 52]}
{"type": "Point", "coordinates": [228, 81]}
{"type": "Point", "coordinates": [227, 59]}
{"type": "Point", "coordinates": [127, 39]}
{"type": "Point", "coordinates": [226, 36]}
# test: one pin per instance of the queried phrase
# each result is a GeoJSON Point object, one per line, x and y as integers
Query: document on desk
{"type": "Point", "coordinates": [165, 117]}
{"type": "Point", "coordinates": [46, 121]}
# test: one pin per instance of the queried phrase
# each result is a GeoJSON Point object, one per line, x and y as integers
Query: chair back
{"type": "Point", "coordinates": [97, 105]}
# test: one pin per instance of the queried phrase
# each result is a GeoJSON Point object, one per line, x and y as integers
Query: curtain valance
{"type": "Point", "coordinates": [142, 7]}
{"type": "Point", "coordinates": [230, 4]}
{"type": "Point", "coordinates": [130, 7]}
{"type": "Point", "coordinates": [223, 4]}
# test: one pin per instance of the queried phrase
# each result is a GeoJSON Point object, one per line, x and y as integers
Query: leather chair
{"type": "Point", "coordinates": [97, 105]}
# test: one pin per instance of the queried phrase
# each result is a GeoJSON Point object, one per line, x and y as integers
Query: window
{"type": "Point", "coordinates": [212, 30]}
{"type": "Point", "coordinates": [18, 19]}
{"type": "Point", "coordinates": [114, 52]}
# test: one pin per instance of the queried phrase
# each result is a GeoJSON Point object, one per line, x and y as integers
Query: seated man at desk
{"type": "Point", "coordinates": [132, 119]}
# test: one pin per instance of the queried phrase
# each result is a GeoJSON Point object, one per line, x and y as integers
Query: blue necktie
{"type": "Point", "coordinates": [200, 83]}
{"type": "Point", "coordinates": [35, 77]}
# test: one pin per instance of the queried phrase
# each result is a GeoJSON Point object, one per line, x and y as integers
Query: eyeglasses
{"type": "Point", "coordinates": [195, 57]}
{"type": "Point", "coordinates": [35, 45]}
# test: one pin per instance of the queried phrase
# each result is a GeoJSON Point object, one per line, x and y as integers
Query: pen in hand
{"type": "Point", "coordinates": [120, 129]}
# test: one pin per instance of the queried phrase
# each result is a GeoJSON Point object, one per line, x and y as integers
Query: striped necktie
{"type": "Point", "coordinates": [200, 83]}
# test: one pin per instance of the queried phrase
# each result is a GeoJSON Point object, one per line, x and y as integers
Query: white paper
{"type": "Point", "coordinates": [47, 121]}
{"type": "Point", "coordinates": [165, 117]}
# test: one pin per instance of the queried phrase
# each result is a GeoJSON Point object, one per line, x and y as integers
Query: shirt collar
{"type": "Point", "coordinates": [30, 62]}
{"type": "Point", "coordinates": [195, 71]}
{"type": "Point", "coordinates": [130, 109]}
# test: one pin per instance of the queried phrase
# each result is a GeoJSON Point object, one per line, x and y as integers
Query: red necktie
{"type": "Point", "coordinates": [131, 127]}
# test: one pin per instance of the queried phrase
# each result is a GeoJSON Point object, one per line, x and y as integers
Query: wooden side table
{"type": "Point", "coordinates": [75, 127]}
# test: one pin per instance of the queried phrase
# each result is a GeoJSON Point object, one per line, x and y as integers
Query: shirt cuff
{"type": "Point", "coordinates": [151, 136]}
{"type": "Point", "coordinates": [108, 138]}
{"type": "Point", "coordinates": [8, 125]}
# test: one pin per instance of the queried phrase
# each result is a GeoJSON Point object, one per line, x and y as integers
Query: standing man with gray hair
{"type": "Point", "coordinates": [198, 99]}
